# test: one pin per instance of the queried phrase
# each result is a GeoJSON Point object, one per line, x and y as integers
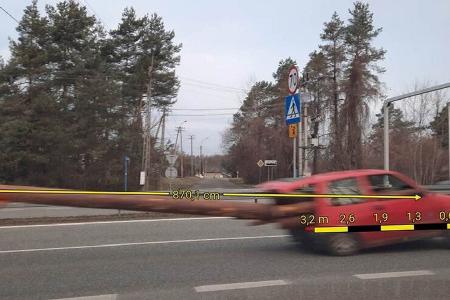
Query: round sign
{"type": "Point", "coordinates": [293, 79]}
{"type": "Point", "coordinates": [171, 172]}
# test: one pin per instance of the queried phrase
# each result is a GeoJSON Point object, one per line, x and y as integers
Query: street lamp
{"type": "Point", "coordinates": [202, 171]}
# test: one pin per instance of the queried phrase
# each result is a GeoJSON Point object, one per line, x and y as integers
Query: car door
{"type": "Point", "coordinates": [403, 211]}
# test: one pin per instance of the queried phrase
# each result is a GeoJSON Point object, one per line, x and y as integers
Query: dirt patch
{"type": "Point", "coordinates": [179, 183]}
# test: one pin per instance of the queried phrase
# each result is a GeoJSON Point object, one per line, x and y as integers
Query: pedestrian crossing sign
{"type": "Point", "coordinates": [292, 109]}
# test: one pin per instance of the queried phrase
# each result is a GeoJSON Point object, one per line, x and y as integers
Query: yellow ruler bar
{"type": "Point", "coordinates": [331, 229]}
{"type": "Point", "coordinates": [396, 227]}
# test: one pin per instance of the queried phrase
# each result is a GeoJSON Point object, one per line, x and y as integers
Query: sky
{"type": "Point", "coordinates": [231, 44]}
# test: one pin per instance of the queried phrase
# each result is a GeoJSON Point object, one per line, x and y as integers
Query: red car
{"type": "Point", "coordinates": [364, 213]}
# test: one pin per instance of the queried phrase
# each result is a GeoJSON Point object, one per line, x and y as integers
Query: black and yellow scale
{"type": "Point", "coordinates": [366, 228]}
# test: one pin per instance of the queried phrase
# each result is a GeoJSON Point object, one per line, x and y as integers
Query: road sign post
{"type": "Point", "coordinates": [260, 164]}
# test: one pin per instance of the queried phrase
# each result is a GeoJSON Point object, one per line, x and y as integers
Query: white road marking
{"type": "Point", "coordinates": [239, 285]}
{"type": "Point", "coordinates": [144, 243]}
{"type": "Point", "coordinates": [98, 297]}
{"type": "Point", "coordinates": [393, 274]}
{"type": "Point", "coordinates": [112, 222]}
{"type": "Point", "coordinates": [8, 209]}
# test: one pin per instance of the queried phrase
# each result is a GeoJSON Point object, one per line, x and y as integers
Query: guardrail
{"type": "Point", "coordinates": [440, 188]}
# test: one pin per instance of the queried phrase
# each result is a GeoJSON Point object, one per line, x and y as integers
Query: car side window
{"type": "Point", "coordinates": [382, 183]}
{"type": "Point", "coordinates": [345, 186]}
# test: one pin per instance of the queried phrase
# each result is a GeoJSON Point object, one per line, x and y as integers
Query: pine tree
{"type": "Point", "coordinates": [29, 113]}
{"type": "Point", "coordinates": [134, 46]}
{"type": "Point", "coordinates": [361, 83]}
{"type": "Point", "coordinates": [333, 49]}
{"type": "Point", "coordinates": [318, 89]}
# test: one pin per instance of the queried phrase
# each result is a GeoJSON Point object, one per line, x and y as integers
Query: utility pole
{"type": "Point", "coordinates": [180, 133]}
{"type": "Point", "coordinates": [201, 160]}
{"type": "Point", "coordinates": [181, 153]}
{"type": "Point", "coordinates": [147, 136]}
{"type": "Point", "coordinates": [202, 169]}
{"type": "Point", "coordinates": [191, 137]}
{"type": "Point", "coordinates": [163, 128]}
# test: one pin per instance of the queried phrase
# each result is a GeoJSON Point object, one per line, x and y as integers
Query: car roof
{"type": "Point", "coordinates": [328, 176]}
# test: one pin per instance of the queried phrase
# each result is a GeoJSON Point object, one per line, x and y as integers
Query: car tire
{"type": "Point", "coordinates": [305, 240]}
{"type": "Point", "coordinates": [342, 244]}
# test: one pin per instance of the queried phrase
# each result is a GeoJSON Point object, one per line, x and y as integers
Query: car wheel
{"type": "Point", "coordinates": [303, 239]}
{"type": "Point", "coordinates": [342, 244]}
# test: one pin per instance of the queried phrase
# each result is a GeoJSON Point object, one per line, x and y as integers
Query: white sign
{"type": "Point", "coordinates": [142, 178]}
{"type": "Point", "coordinates": [171, 172]}
{"type": "Point", "coordinates": [293, 79]}
{"type": "Point", "coordinates": [270, 163]}
{"type": "Point", "coordinates": [260, 163]}
{"type": "Point", "coordinates": [171, 158]}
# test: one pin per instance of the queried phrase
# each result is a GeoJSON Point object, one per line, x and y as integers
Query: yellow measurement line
{"type": "Point", "coordinates": [396, 227]}
{"type": "Point", "coordinates": [448, 226]}
{"type": "Point", "coordinates": [81, 192]}
{"type": "Point", "coordinates": [331, 229]}
{"type": "Point", "coordinates": [416, 197]}
{"type": "Point", "coordinates": [260, 195]}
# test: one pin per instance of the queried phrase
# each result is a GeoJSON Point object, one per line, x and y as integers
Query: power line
{"type": "Point", "coordinates": [213, 88]}
{"type": "Point", "coordinates": [201, 115]}
{"type": "Point", "coordinates": [9, 14]}
{"type": "Point", "coordinates": [196, 109]}
{"type": "Point", "coordinates": [211, 84]}
{"type": "Point", "coordinates": [93, 11]}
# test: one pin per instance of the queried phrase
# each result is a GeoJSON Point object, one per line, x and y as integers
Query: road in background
{"type": "Point", "coordinates": [214, 258]}
{"type": "Point", "coordinates": [24, 210]}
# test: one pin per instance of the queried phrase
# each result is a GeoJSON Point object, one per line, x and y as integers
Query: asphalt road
{"type": "Point", "coordinates": [208, 258]}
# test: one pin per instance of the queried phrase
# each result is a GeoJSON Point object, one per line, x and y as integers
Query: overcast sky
{"type": "Point", "coordinates": [236, 42]}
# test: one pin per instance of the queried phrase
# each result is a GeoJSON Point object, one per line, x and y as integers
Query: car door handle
{"type": "Point", "coordinates": [379, 207]}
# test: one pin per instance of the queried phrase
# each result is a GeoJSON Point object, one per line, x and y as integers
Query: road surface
{"type": "Point", "coordinates": [205, 258]}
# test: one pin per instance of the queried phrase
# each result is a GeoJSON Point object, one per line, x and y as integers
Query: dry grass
{"type": "Point", "coordinates": [179, 183]}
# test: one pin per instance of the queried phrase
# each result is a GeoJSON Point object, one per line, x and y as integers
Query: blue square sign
{"type": "Point", "coordinates": [292, 109]}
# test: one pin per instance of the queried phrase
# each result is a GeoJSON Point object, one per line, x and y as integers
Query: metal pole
{"type": "Point", "coordinates": [305, 140]}
{"type": "Point", "coordinates": [125, 173]}
{"type": "Point", "coordinates": [448, 119]}
{"type": "Point", "coordinates": [294, 156]}
{"type": "Point", "coordinates": [181, 153]}
{"type": "Point", "coordinates": [201, 160]}
{"type": "Point", "coordinates": [386, 114]}
{"type": "Point", "coordinates": [192, 156]}
{"type": "Point", "coordinates": [386, 135]}
{"type": "Point", "coordinates": [300, 151]}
